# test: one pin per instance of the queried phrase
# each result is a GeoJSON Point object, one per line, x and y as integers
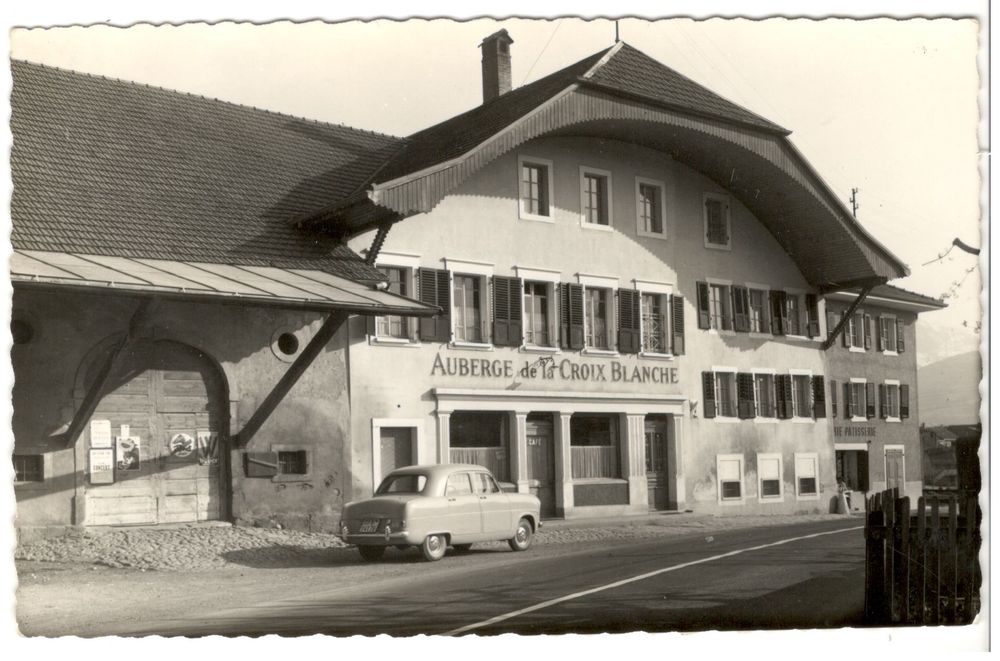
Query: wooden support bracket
{"type": "Point", "coordinates": [828, 342]}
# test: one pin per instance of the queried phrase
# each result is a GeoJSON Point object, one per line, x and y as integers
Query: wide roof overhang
{"type": "Point", "coordinates": [762, 169]}
{"type": "Point", "coordinates": [302, 289]}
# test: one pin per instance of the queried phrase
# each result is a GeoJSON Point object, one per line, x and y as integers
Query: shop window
{"type": "Point", "coordinates": [759, 322]}
{"type": "Point", "coordinates": [769, 483]}
{"type": "Point", "coordinates": [467, 308]}
{"type": "Point", "coordinates": [654, 324]}
{"type": "Point", "coordinates": [395, 326]}
{"type": "Point", "coordinates": [595, 197]}
{"type": "Point", "coordinates": [764, 395]}
{"type": "Point", "coordinates": [594, 445]}
{"type": "Point", "coordinates": [650, 208]}
{"type": "Point", "coordinates": [802, 405]}
{"type": "Point", "coordinates": [597, 314]}
{"type": "Point", "coordinates": [29, 468]}
{"type": "Point", "coordinates": [536, 189]}
{"type": "Point", "coordinates": [807, 475]}
{"type": "Point", "coordinates": [481, 438]}
{"type": "Point", "coordinates": [538, 303]}
{"type": "Point", "coordinates": [729, 468]}
{"type": "Point", "coordinates": [717, 224]}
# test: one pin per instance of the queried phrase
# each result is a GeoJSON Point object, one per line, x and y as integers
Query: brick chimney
{"type": "Point", "coordinates": [496, 65]}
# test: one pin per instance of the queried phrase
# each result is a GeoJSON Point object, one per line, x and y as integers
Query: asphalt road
{"type": "Point", "coordinates": [798, 576]}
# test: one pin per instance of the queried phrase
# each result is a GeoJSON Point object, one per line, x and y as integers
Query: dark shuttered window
{"type": "Point", "coordinates": [434, 288]}
{"type": "Point", "coordinates": [869, 400]}
{"type": "Point", "coordinates": [704, 316]}
{"type": "Point", "coordinates": [778, 311]}
{"type": "Point", "coordinates": [741, 309]}
{"type": "Point", "coordinates": [812, 316]}
{"type": "Point", "coordinates": [571, 316]}
{"type": "Point", "coordinates": [833, 399]}
{"type": "Point", "coordinates": [677, 324]}
{"type": "Point", "coordinates": [507, 311]}
{"type": "Point", "coordinates": [868, 331]}
{"type": "Point", "coordinates": [785, 396]}
{"type": "Point", "coordinates": [819, 397]}
{"type": "Point", "coordinates": [629, 338]}
{"type": "Point", "coordinates": [708, 394]}
{"type": "Point", "coordinates": [900, 342]}
{"type": "Point", "coordinates": [904, 401]}
{"type": "Point", "coordinates": [745, 396]}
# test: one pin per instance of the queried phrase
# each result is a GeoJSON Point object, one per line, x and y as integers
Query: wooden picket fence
{"type": "Point", "coordinates": [922, 566]}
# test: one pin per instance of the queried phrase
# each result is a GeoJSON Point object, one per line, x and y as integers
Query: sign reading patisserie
{"type": "Point", "coordinates": [549, 369]}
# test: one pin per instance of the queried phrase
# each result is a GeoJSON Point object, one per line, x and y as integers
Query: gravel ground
{"type": "Point", "coordinates": [196, 548]}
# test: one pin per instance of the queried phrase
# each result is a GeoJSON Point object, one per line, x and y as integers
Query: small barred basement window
{"type": "Point", "coordinates": [28, 468]}
{"type": "Point", "coordinates": [292, 462]}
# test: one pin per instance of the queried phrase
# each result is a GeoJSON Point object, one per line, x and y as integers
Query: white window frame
{"type": "Point", "coordinates": [552, 278]}
{"type": "Point", "coordinates": [864, 399]}
{"type": "Point", "coordinates": [727, 212]}
{"type": "Point", "coordinates": [522, 213]}
{"type": "Point", "coordinates": [795, 409]}
{"type": "Point", "coordinates": [734, 393]}
{"type": "Point", "coordinates": [409, 262]}
{"type": "Point", "coordinates": [719, 458]}
{"type": "Point", "coordinates": [587, 170]}
{"type": "Point", "coordinates": [662, 186]}
{"type": "Point", "coordinates": [611, 285]}
{"type": "Point", "coordinates": [484, 271]}
{"type": "Point", "coordinates": [800, 297]}
{"type": "Point", "coordinates": [860, 348]}
{"type": "Point", "coordinates": [765, 289]}
{"type": "Point", "coordinates": [756, 401]}
{"type": "Point", "coordinates": [894, 383]}
{"type": "Point", "coordinates": [892, 323]}
{"type": "Point", "coordinates": [760, 480]}
{"type": "Point", "coordinates": [664, 290]}
{"type": "Point", "coordinates": [814, 456]}
{"type": "Point", "coordinates": [727, 300]}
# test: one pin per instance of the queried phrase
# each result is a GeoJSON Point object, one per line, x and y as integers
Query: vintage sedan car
{"type": "Point", "coordinates": [434, 507]}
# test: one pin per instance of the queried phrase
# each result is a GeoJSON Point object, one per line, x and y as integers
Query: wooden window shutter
{"type": "Point", "coordinates": [778, 312]}
{"type": "Point", "coordinates": [880, 338]}
{"type": "Point", "coordinates": [831, 323]}
{"type": "Point", "coordinates": [883, 410]}
{"type": "Point", "coordinates": [863, 471]}
{"type": "Point", "coordinates": [867, 322]}
{"type": "Point", "coordinates": [708, 394]}
{"type": "Point", "coordinates": [507, 311]}
{"type": "Point", "coordinates": [833, 398]}
{"type": "Point", "coordinates": [900, 343]}
{"type": "Point", "coordinates": [434, 288]}
{"type": "Point", "coordinates": [629, 340]}
{"type": "Point", "coordinates": [260, 464]}
{"type": "Point", "coordinates": [370, 325]}
{"type": "Point", "coordinates": [703, 315]}
{"type": "Point", "coordinates": [741, 309]}
{"type": "Point", "coordinates": [904, 401]}
{"type": "Point", "coordinates": [819, 397]}
{"type": "Point", "coordinates": [847, 400]}
{"type": "Point", "coordinates": [744, 396]}
{"type": "Point", "coordinates": [677, 324]}
{"type": "Point", "coordinates": [845, 335]}
{"type": "Point", "coordinates": [869, 400]}
{"type": "Point", "coordinates": [783, 383]}
{"type": "Point", "coordinates": [571, 310]}
{"type": "Point", "coordinates": [812, 316]}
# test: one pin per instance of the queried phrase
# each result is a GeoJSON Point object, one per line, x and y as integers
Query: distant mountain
{"type": "Point", "coordinates": [948, 390]}
{"type": "Point", "coordinates": [937, 340]}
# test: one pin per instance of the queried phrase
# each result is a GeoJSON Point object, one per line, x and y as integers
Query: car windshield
{"type": "Point", "coordinates": [402, 484]}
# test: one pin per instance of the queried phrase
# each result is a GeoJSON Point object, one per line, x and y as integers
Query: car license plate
{"type": "Point", "coordinates": [369, 525]}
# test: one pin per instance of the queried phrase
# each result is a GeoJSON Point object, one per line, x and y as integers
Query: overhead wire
{"type": "Point", "coordinates": [542, 52]}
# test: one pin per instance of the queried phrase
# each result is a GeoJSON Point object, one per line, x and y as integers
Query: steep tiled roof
{"type": "Point", "coordinates": [619, 69]}
{"type": "Point", "coordinates": [108, 167]}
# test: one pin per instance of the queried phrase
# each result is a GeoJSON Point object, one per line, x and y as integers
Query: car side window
{"type": "Point", "coordinates": [458, 485]}
{"type": "Point", "coordinates": [485, 483]}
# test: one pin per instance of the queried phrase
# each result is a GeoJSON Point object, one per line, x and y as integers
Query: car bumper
{"type": "Point", "coordinates": [380, 539]}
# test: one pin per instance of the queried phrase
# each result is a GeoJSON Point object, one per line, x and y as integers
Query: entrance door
{"type": "Point", "coordinates": [166, 408]}
{"type": "Point", "coordinates": [541, 462]}
{"type": "Point", "coordinates": [657, 477]}
{"type": "Point", "coordinates": [895, 473]}
{"type": "Point", "coordinates": [395, 448]}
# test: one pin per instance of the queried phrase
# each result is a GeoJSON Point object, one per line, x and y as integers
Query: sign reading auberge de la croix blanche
{"type": "Point", "coordinates": [549, 369]}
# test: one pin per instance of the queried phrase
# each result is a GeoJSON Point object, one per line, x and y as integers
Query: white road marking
{"type": "Point", "coordinates": [640, 577]}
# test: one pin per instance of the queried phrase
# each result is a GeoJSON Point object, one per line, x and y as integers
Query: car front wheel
{"type": "Point", "coordinates": [371, 553]}
{"type": "Point", "coordinates": [522, 537]}
{"type": "Point", "coordinates": [433, 547]}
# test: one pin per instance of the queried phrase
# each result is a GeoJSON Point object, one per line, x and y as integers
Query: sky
{"type": "Point", "coordinates": [890, 107]}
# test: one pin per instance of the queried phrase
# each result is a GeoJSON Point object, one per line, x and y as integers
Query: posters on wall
{"type": "Point", "coordinates": [102, 466]}
{"type": "Point", "coordinates": [181, 446]}
{"type": "Point", "coordinates": [127, 453]}
{"type": "Point", "coordinates": [100, 433]}
{"type": "Point", "coordinates": [208, 447]}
